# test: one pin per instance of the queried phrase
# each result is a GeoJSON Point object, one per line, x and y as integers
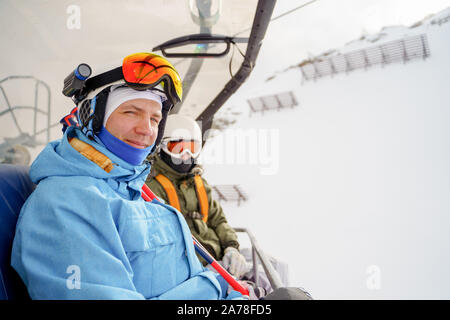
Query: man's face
{"type": "Point", "coordinates": [135, 122]}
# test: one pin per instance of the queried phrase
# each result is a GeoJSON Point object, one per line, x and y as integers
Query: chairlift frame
{"type": "Point", "coordinates": [260, 24]}
{"type": "Point", "coordinates": [259, 255]}
{"type": "Point", "coordinates": [263, 14]}
{"type": "Point", "coordinates": [24, 138]}
{"type": "Point", "coordinates": [198, 39]}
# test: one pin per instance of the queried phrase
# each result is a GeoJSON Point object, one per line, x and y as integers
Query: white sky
{"type": "Point", "coordinates": [359, 205]}
{"type": "Point", "coordinates": [329, 24]}
{"type": "Point", "coordinates": [362, 180]}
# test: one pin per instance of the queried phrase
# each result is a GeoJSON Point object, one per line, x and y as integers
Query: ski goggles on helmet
{"type": "Point", "coordinates": [179, 147]}
{"type": "Point", "coordinates": [140, 71]}
{"type": "Point", "coordinates": [146, 70]}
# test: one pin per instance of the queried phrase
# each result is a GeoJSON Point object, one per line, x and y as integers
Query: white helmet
{"type": "Point", "coordinates": [182, 135]}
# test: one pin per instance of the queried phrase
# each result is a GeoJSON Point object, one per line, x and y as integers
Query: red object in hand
{"type": "Point", "coordinates": [148, 195]}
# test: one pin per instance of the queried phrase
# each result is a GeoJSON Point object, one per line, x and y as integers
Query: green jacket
{"type": "Point", "coordinates": [216, 234]}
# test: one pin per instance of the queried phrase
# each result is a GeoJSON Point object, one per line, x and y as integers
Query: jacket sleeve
{"type": "Point", "coordinates": [218, 221]}
{"type": "Point", "coordinates": [204, 280]}
{"type": "Point", "coordinates": [67, 246]}
{"type": "Point", "coordinates": [206, 283]}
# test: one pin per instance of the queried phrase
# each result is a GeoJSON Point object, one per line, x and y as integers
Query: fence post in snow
{"type": "Point", "coordinates": [279, 103]}
{"type": "Point", "coordinates": [316, 71]}
{"type": "Point", "coordinates": [333, 68]}
{"type": "Point", "coordinates": [348, 67]}
{"type": "Point", "coordinates": [251, 106]}
{"type": "Point", "coordinates": [384, 57]}
{"type": "Point", "coordinates": [294, 101]}
{"type": "Point", "coordinates": [264, 106]}
{"type": "Point", "coordinates": [405, 53]}
{"type": "Point", "coordinates": [304, 76]}
{"type": "Point", "coordinates": [424, 46]}
{"type": "Point", "coordinates": [366, 60]}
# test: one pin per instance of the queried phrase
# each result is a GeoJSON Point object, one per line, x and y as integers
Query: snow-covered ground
{"type": "Point", "coordinates": [350, 188]}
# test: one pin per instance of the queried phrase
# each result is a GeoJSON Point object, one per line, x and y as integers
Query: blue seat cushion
{"type": "Point", "coordinates": [15, 187]}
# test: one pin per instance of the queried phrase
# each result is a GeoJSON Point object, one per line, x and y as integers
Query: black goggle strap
{"type": "Point", "coordinates": [100, 106]}
{"type": "Point", "coordinates": [91, 114]}
{"type": "Point", "coordinates": [167, 106]}
{"type": "Point", "coordinates": [103, 79]}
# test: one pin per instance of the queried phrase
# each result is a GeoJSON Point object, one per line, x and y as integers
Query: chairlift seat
{"type": "Point", "coordinates": [15, 187]}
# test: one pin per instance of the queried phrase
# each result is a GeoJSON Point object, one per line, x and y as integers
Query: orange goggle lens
{"type": "Point", "coordinates": [178, 147]}
{"type": "Point", "coordinates": [148, 69]}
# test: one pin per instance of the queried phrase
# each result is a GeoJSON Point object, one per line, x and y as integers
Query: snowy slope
{"type": "Point", "coordinates": [351, 187]}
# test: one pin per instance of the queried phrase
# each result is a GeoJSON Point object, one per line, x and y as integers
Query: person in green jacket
{"type": "Point", "coordinates": [177, 179]}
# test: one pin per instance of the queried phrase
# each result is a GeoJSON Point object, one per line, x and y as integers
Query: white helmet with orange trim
{"type": "Point", "coordinates": [182, 135]}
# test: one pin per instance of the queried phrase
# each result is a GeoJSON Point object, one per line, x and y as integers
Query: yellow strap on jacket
{"type": "Point", "coordinates": [92, 154]}
{"type": "Point", "coordinates": [173, 197]}
{"type": "Point", "coordinates": [202, 197]}
{"type": "Point", "coordinates": [170, 191]}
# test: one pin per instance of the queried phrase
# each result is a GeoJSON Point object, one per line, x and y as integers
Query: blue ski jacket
{"type": "Point", "coordinates": [85, 233]}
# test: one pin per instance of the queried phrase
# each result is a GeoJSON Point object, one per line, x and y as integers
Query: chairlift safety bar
{"type": "Point", "coordinates": [270, 271]}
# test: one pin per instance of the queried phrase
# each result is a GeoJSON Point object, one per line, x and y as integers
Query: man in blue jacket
{"type": "Point", "coordinates": [85, 232]}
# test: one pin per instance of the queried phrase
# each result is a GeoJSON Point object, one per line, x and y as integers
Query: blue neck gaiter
{"type": "Point", "coordinates": [132, 155]}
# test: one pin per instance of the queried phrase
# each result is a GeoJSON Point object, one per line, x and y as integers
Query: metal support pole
{"type": "Point", "coordinates": [271, 273]}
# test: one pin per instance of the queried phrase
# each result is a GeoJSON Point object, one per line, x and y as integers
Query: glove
{"type": "Point", "coordinates": [255, 293]}
{"type": "Point", "coordinates": [228, 292]}
{"type": "Point", "coordinates": [235, 262]}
